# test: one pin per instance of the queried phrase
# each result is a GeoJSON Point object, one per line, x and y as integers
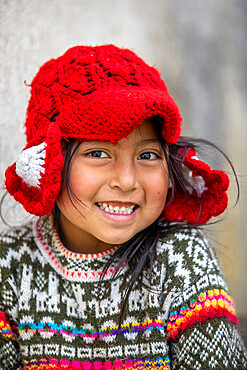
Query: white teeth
{"type": "Point", "coordinates": [116, 210]}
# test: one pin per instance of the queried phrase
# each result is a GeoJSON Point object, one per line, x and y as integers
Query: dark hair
{"type": "Point", "coordinates": [140, 251]}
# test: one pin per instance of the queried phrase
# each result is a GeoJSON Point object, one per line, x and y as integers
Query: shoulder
{"type": "Point", "coordinates": [180, 241]}
{"type": "Point", "coordinates": [14, 239]}
{"type": "Point", "coordinates": [188, 254]}
{"type": "Point", "coordinates": [17, 247]}
{"type": "Point", "coordinates": [15, 244]}
{"type": "Point", "coordinates": [16, 233]}
{"type": "Point", "coordinates": [188, 269]}
{"type": "Point", "coordinates": [194, 276]}
{"type": "Point", "coordinates": [12, 243]}
{"type": "Point", "coordinates": [196, 303]}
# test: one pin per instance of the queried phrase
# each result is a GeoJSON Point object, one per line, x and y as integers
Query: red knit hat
{"type": "Point", "coordinates": [97, 93]}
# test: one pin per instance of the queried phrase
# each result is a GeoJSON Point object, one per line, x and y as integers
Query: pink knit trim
{"type": "Point", "coordinates": [44, 364]}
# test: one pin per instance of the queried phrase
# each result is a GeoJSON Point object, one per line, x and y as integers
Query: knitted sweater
{"type": "Point", "coordinates": [53, 314]}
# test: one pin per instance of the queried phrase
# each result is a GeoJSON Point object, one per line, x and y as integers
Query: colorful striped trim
{"type": "Point", "coordinates": [209, 305]}
{"type": "Point", "coordinates": [6, 329]}
{"type": "Point", "coordinates": [147, 363]}
{"type": "Point", "coordinates": [41, 327]}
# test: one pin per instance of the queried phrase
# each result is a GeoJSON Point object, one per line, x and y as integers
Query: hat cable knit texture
{"type": "Point", "coordinates": [100, 93]}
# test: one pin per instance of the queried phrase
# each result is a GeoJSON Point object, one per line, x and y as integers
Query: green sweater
{"type": "Point", "coordinates": [54, 315]}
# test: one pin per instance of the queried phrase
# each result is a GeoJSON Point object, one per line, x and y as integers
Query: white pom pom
{"type": "Point", "coordinates": [196, 182]}
{"type": "Point", "coordinates": [29, 165]}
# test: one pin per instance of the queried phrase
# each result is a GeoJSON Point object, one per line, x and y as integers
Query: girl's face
{"type": "Point", "coordinates": [121, 190]}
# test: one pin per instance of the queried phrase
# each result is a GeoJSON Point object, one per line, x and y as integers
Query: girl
{"type": "Point", "coordinates": [114, 273]}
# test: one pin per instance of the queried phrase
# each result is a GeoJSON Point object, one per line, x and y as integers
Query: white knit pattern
{"type": "Point", "coordinates": [63, 315]}
{"type": "Point", "coordinates": [29, 165]}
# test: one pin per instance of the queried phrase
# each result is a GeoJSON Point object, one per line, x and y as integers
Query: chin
{"type": "Point", "coordinates": [118, 240]}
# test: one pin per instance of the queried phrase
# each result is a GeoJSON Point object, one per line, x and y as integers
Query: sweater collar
{"type": "Point", "coordinates": [72, 266]}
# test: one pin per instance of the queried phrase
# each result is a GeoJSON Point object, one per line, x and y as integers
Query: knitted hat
{"type": "Point", "coordinates": [99, 93]}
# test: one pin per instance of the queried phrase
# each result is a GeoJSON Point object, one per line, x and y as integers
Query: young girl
{"type": "Point", "coordinates": [114, 272]}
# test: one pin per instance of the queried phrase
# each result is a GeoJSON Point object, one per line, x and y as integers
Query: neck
{"type": "Point", "coordinates": [79, 241]}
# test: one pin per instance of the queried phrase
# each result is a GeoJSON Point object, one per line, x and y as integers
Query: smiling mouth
{"type": "Point", "coordinates": [117, 210]}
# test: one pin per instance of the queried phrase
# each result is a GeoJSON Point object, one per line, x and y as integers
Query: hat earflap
{"type": "Point", "coordinates": [204, 197]}
{"type": "Point", "coordinates": [35, 179]}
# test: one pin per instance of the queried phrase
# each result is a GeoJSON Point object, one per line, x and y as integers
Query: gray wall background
{"type": "Point", "coordinates": [199, 47]}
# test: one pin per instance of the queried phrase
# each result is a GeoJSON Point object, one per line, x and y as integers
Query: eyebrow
{"type": "Point", "coordinates": [141, 142]}
{"type": "Point", "coordinates": [149, 141]}
{"type": "Point", "coordinates": [144, 142]}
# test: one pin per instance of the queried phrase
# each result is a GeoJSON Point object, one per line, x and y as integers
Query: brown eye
{"type": "Point", "coordinates": [148, 156]}
{"type": "Point", "coordinates": [98, 154]}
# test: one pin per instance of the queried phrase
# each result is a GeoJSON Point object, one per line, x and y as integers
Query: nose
{"type": "Point", "coordinates": [123, 175]}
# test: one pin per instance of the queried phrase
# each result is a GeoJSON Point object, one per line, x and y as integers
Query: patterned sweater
{"type": "Point", "coordinates": [54, 315]}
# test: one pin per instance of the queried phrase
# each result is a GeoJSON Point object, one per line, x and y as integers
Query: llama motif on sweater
{"type": "Point", "coordinates": [54, 314]}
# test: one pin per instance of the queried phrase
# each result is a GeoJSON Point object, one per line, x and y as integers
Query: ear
{"type": "Point", "coordinates": [206, 198]}
{"type": "Point", "coordinates": [35, 179]}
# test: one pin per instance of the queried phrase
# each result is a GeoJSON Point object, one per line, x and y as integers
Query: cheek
{"type": "Point", "coordinates": [160, 191]}
{"type": "Point", "coordinates": [85, 183]}
{"type": "Point", "coordinates": [157, 193]}
{"type": "Point", "coordinates": [159, 184]}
